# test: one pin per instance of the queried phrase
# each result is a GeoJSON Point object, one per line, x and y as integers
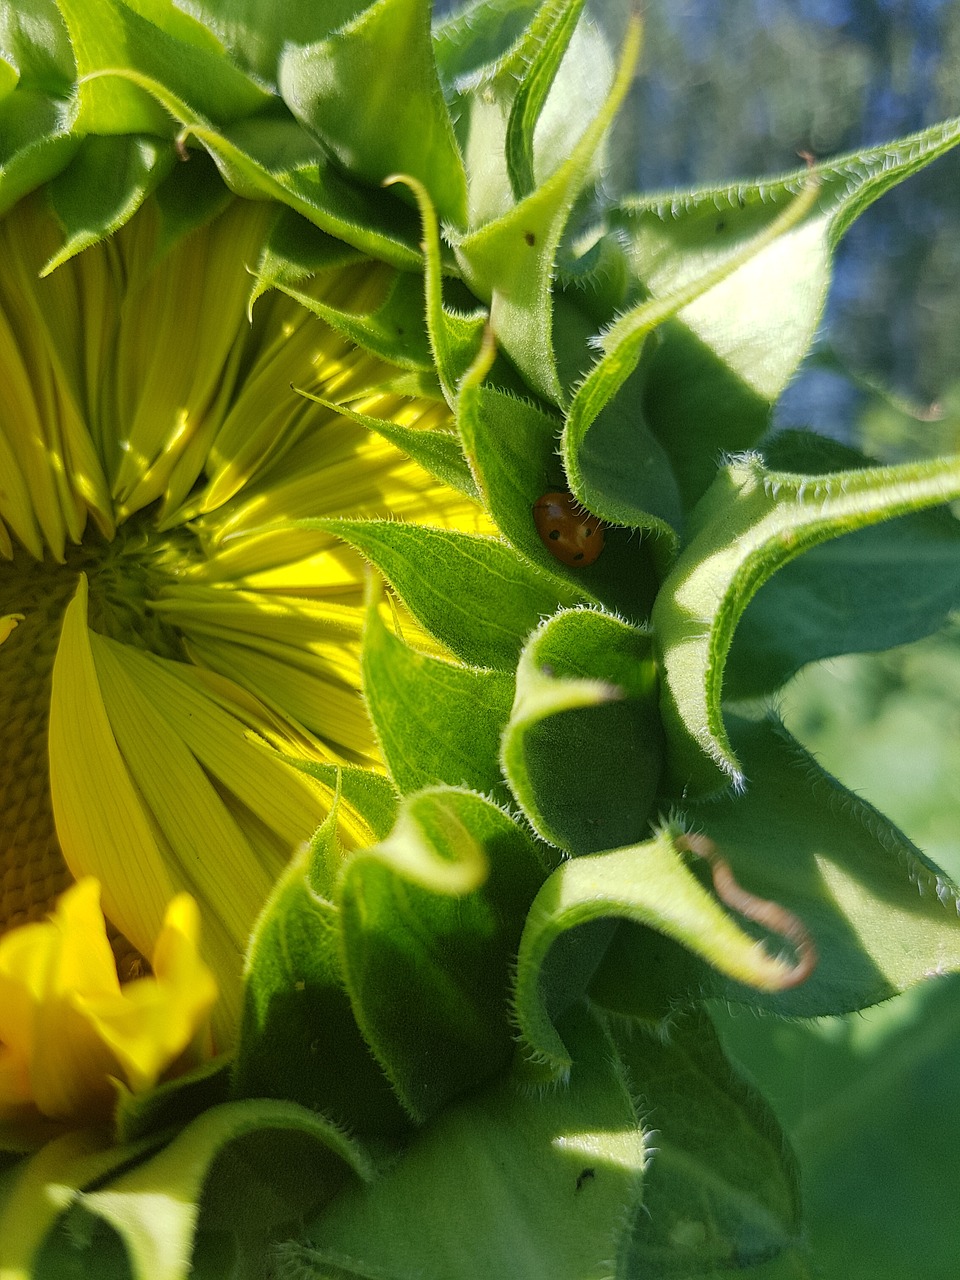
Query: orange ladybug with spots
{"type": "Point", "coordinates": [571, 535]}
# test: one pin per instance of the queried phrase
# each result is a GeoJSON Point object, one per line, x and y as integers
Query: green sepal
{"type": "Point", "coordinates": [455, 338]}
{"type": "Point", "coordinates": [371, 93]}
{"type": "Point", "coordinates": [436, 722]}
{"type": "Point", "coordinates": [102, 187]}
{"type": "Point", "coordinates": [434, 449]}
{"type": "Point", "coordinates": [512, 447]}
{"type": "Point", "coordinates": [394, 329]}
{"type": "Point", "coordinates": [37, 1191]}
{"type": "Point", "coordinates": [35, 43]}
{"type": "Point", "coordinates": [881, 916]}
{"type": "Point", "coordinates": [730, 354]}
{"type": "Point", "coordinates": [583, 748]}
{"type": "Point", "coordinates": [431, 919]}
{"type": "Point", "coordinates": [878, 588]}
{"type": "Point", "coordinates": [172, 1103]}
{"type": "Point", "coordinates": [33, 148]}
{"type": "Point", "coordinates": [614, 464]}
{"type": "Point", "coordinates": [295, 250]}
{"type": "Point", "coordinates": [271, 157]}
{"type": "Point", "coordinates": [710, 1208]}
{"type": "Point", "coordinates": [371, 794]}
{"type": "Point", "coordinates": [9, 78]}
{"type": "Point", "coordinates": [751, 523]}
{"type": "Point", "coordinates": [546, 44]}
{"type": "Point", "coordinates": [256, 34]}
{"type": "Point", "coordinates": [257, 1166]}
{"type": "Point", "coordinates": [473, 593]}
{"type": "Point", "coordinates": [648, 884]}
{"type": "Point", "coordinates": [170, 47]}
{"type": "Point", "coordinates": [514, 1181]}
{"type": "Point", "coordinates": [510, 261]}
{"type": "Point", "coordinates": [191, 196]}
{"type": "Point", "coordinates": [298, 1038]}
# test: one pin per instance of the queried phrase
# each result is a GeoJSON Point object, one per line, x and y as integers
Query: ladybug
{"type": "Point", "coordinates": [569, 533]}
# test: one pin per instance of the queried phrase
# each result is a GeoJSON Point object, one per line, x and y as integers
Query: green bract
{"type": "Point", "coordinates": [479, 1047]}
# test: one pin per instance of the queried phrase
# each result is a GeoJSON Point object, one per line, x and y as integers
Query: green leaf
{"type": "Point", "coordinates": [436, 722]}
{"type": "Point", "coordinates": [473, 593]}
{"type": "Point", "coordinates": [172, 1103]}
{"type": "Point", "coordinates": [874, 589]}
{"type": "Point", "coordinates": [512, 446]}
{"type": "Point", "coordinates": [431, 921]}
{"type": "Point", "coordinates": [102, 187]}
{"type": "Point", "coordinates": [371, 794]}
{"type": "Point", "coordinates": [549, 35]}
{"type": "Point", "coordinates": [721, 1192]}
{"type": "Point", "coordinates": [510, 261]}
{"type": "Point", "coordinates": [256, 33]}
{"type": "Point", "coordinates": [881, 916]}
{"type": "Point", "coordinates": [751, 523]}
{"type": "Point", "coordinates": [615, 467]}
{"type": "Point", "coordinates": [436, 450]}
{"type": "Point", "coordinates": [108, 36]}
{"type": "Point", "coordinates": [583, 748]}
{"type": "Point", "coordinates": [647, 884]}
{"type": "Point", "coordinates": [513, 1182]}
{"type": "Point", "coordinates": [33, 145]}
{"type": "Point", "coordinates": [870, 1105]}
{"type": "Point", "coordinates": [257, 1164]}
{"type": "Point", "coordinates": [384, 60]}
{"type": "Point", "coordinates": [732, 351]}
{"type": "Point", "coordinates": [298, 1038]}
{"type": "Point", "coordinates": [41, 1187]}
{"type": "Point", "coordinates": [455, 338]}
{"type": "Point", "coordinates": [34, 40]}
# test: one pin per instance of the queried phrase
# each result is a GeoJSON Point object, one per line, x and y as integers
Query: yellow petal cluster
{"type": "Point", "coordinates": [169, 636]}
{"type": "Point", "coordinates": [69, 1031]}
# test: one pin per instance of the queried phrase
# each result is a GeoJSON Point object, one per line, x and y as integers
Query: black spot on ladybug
{"type": "Point", "coordinates": [586, 1175]}
{"type": "Point", "coordinates": [571, 535]}
{"type": "Point", "coordinates": [530, 238]}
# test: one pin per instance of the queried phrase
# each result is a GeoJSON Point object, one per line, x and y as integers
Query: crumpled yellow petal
{"type": "Point", "coordinates": [69, 1030]}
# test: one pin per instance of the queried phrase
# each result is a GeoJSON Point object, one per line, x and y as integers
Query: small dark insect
{"type": "Point", "coordinates": [585, 1176]}
{"type": "Point", "coordinates": [530, 238]}
{"type": "Point", "coordinates": [571, 535]}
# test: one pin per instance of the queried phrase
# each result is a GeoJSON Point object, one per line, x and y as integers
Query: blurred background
{"type": "Point", "coordinates": [736, 88]}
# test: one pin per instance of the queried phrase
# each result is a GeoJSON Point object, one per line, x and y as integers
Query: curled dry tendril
{"type": "Point", "coordinates": [771, 915]}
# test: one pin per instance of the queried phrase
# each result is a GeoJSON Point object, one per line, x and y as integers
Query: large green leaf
{"type": "Point", "coordinates": [732, 351]}
{"type": "Point", "coordinates": [163, 43]}
{"type": "Point", "coordinates": [431, 918]}
{"type": "Point", "coordinates": [870, 1105]}
{"type": "Point", "coordinates": [721, 1193]}
{"type": "Point", "coordinates": [874, 589]}
{"type": "Point", "coordinates": [880, 915]}
{"type": "Point", "coordinates": [751, 523]}
{"type": "Point", "coordinates": [515, 1181]}
{"type": "Point", "coordinates": [583, 748]}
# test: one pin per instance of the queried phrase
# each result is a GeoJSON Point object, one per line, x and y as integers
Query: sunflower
{"type": "Point", "coordinates": [171, 633]}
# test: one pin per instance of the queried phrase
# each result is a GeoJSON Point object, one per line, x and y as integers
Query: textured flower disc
{"type": "Point", "coordinates": [169, 633]}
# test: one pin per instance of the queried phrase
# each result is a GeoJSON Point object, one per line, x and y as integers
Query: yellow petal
{"type": "Point", "coordinates": [154, 1021]}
